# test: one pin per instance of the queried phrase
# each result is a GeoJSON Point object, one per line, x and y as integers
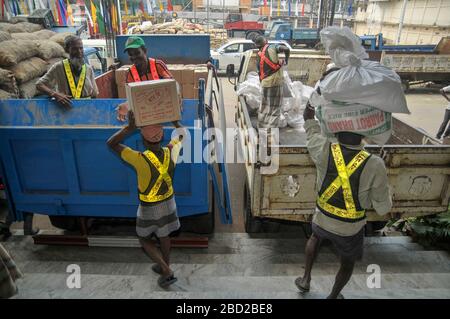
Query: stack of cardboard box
{"type": "Point", "coordinates": [187, 77]}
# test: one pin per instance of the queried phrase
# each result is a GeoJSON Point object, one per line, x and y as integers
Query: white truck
{"type": "Point", "coordinates": [418, 166]}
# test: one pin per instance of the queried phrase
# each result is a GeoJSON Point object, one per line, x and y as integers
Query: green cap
{"type": "Point", "coordinates": [134, 43]}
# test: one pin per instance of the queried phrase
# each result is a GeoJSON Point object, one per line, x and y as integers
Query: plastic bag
{"type": "Point", "coordinates": [359, 81]}
{"type": "Point", "coordinates": [251, 90]}
{"type": "Point", "coordinates": [343, 46]}
{"type": "Point", "coordinates": [370, 83]}
{"type": "Point", "coordinates": [282, 121]}
{"type": "Point", "coordinates": [293, 107]}
{"type": "Point", "coordinates": [294, 118]}
{"type": "Point", "coordinates": [287, 84]}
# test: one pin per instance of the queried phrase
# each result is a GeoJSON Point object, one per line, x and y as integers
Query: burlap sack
{"type": "Point", "coordinates": [5, 26]}
{"type": "Point", "coordinates": [6, 95]}
{"type": "Point", "coordinates": [14, 51]}
{"type": "Point", "coordinates": [60, 37]}
{"type": "Point", "coordinates": [4, 36]}
{"type": "Point", "coordinates": [24, 36]}
{"type": "Point", "coordinates": [8, 82]}
{"type": "Point", "coordinates": [18, 19]}
{"type": "Point", "coordinates": [53, 61]}
{"type": "Point", "coordinates": [29, 69]}
{"type": "Point", "coordinates": [28, 90]}
{"type": "Point", "coordinates": [5, 75]}
{"type": "Point", "coordinates": [24, 27]}
{"type": "Point", "coordinates": [44, 34]}
{"type": "Point", "coordinates": [49, 49]}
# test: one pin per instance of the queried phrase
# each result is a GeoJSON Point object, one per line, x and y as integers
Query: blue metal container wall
{"type": "Point", "coordinates": [57, 163]}
{"type": "Point", "coordinates": [172, 49]}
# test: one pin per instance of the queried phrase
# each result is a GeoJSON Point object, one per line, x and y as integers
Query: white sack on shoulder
{"type": "Point", "coordinates": [370, 84]}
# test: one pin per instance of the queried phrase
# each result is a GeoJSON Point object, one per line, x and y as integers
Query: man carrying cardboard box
{"type": "Point", "coordinates": [143, 68]}
{"type": "Point", "coordinates": [157, 211]}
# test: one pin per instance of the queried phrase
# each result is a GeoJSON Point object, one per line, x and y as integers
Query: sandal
{"type": "Point", "coordinates": [298, 283]}
{"type": "Point", "coordinates": [157, 268]}
{"type": "Point", "coordinates": [165, 282]}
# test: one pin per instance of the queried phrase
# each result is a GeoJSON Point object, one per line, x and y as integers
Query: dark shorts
{"type": "Point", "coordinates": [348, 247]}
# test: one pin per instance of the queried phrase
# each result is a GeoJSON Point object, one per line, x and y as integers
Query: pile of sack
{"type": "Point", "coordinates": [361, 95]}
{"type": "Point", "coordinates": [26, 53]}
{"type": "Point", "coordinates": [296, 95]}
{"type": "Point", "coordinates": [181, 26]}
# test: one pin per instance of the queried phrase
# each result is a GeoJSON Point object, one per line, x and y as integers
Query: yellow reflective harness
{"type": "Point", "coordinates": [163, 170]}
{"type": "Point", "coordinates": [343, 180]}
{"type": "Point", "coordinates": [75, 89]}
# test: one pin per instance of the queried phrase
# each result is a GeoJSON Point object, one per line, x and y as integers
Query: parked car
{"type": "Point", "coordinates": [231, 52]}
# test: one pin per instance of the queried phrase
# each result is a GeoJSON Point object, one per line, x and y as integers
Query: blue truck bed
{"type": "Point", "coordinates": [57, 163]}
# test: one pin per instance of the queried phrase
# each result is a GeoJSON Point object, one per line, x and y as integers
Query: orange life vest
{"type": "Point", "coordinates": [266, 66]}
{"type": "Point", "coordinates": [153, 72]}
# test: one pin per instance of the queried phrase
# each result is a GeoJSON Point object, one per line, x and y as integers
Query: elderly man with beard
{"type": "Point", "coordinates": [71, 78]}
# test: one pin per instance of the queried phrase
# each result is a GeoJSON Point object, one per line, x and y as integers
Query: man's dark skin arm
{"type": "Point", "coordinates": [309, 112]}
{"type": "Point", "coordinates": [284, 49]}
{"type": "Point", "coordinates": [114, 142]}
{"type": "Point", "coordinates": [62, 99]}
{"type": "Point", "coordinates": [177, 124]}
{"type": "Point", "coordinates": [444, 94]}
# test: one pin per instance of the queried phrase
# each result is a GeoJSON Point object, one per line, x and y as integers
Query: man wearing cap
{"type": "Point", "coordinates": [270, 73]}
{"type": "Point", "coordinates": [71, 78]}
{"type": "Point", "coordinates": [143, 69]}
{"type": "Point", "coordinates": [157, 212]}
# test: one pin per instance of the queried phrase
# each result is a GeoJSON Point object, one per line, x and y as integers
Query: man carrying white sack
{"type": "Point", "coordinates": [349, 179]}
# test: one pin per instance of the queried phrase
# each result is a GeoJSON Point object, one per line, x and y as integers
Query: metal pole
{"type": "Point", "coordinates": [333, 10]}
{"type": "Point", "coordinates": [207, 15]}
{"type": "Point", "coordinates": [319, 16]}
{"type": "Point", "coordinates": [400, 25]}
{"type": "Point", "coordinates": [119, 14]}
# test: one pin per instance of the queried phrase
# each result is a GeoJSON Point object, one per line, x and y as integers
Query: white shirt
{"type": "Point", "coordinates": [447, 90]}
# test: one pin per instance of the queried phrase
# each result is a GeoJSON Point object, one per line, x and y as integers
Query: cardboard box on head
{"type": "Point", "coordinates": [153, 102]}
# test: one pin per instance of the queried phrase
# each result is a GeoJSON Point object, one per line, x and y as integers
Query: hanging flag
{"type": "Point", "coordinates": [278, 8]}
{"type": "Point", "coordinates": [169, 6]}
{"type": "Point", "coordinates": [126, 8]}
{"type": "Point", "coordinates": [149, 7]}
{"type": "Point", "coordinates": [289, 8]}
{"type": "Point", "coordinates": [141, 6]}
{"type": "Point", "coordinates": [94, 17]}
{"type": "Point", "coordinates": [3, 8]}
{"type": "Point", "coordinates": [161, 7]}
{"type": "Point", "coordinates": [303, 9]}
{"type": "Point", "coordinates": [350, 8]}
{"type": "Point", "coordinates": [58, 11]}
{"type": "Point", "coordinates": [265, 3]}
{"type": "Point", "coordinates": [99, 18]}
{"type": "Point", "coordinates": [23, 7]}
{"type": "Point", "coordinates": [69, 13]}
{"type": "Point", "coordinates": [114, 17]}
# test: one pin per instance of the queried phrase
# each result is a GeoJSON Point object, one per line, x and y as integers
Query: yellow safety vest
{"type": "Point", "coordinates": [343, 180]}
{"type": "Point", "coordinates": [76, 89]}
{"type": "Point", "coordinates": [152, 196]}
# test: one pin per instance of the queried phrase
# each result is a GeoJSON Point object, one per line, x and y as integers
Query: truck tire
{"type": "Point", "coordinates": [252, 225]}
{"type": "Point", "coordinates": [65, 222]}
{"type": "Point", "coordinates": [252, 35]}
{"type": "Point", "coordinates": [201, 224]}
